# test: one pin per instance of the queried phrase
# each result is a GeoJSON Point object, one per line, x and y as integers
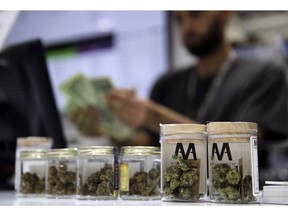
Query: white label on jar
{"type": "Point", "coordinates": [124, 176]}
{"type": "Point", "coordinates": [254, 164]}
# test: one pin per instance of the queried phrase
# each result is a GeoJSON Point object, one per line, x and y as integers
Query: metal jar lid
{"type": "Point", "coordinates": [33, 154]}
{"type": "Point", "coordinates": [96, 150]}
{"type": "Point", "coordinates": [62, 153]}
{"type": "Point", "coordinates": [167, 129]}
{"type": "Point", "coordinates": [140, 150]}
{"type": "Point", "coordinates": [230, 127]}
{"type": "Point", "coordinates": [33, 141]}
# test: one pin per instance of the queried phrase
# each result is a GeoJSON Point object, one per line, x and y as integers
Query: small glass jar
{"type": "Point", "coordinates": [233, 162]}
{"type": "Point", "coordinates": [97, 173]}
{"type": "Point", "coordinates": [29, 143]}
{"type": "Point", "coordinates": [183, 162]}
{"type": "Point", "coordinates": [31, 177]}
{"type": "Point", "coordinates": [61, 169]}
{"type": "Point", "coordinates": [139, 173]}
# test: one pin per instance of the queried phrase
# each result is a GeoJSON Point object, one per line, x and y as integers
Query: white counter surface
{"type": "Point", "coordinates": [21, 206]}
{"type": "Point", "coordinates": [9, 198]}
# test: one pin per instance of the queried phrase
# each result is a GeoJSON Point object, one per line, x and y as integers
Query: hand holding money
{"type": "Point", "coordinates": [88, 110]}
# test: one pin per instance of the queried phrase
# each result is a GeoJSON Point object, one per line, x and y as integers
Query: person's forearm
{"type": "Point", "coordinates": [159, 114]}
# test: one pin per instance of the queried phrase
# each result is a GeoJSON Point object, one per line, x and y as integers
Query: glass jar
{"type": "Point", "coordinates": [61, 168]}
{"type": "Point", "coordinates": [31, 175]}
{"type": "Point", "coordinates": [29, 143]}
{"type": "Point", "coordinates": [183, 162]}
{"type": "Point", "coordinates": [139, 173]}
{"type": "Point", "coordinates": [97, 172]}
{"type": "Point", "coordinates": [233, 162]}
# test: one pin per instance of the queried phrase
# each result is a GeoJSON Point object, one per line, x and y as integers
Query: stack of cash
{"type": "Point", "coordinates": [86, 101]}
{"type": "Point", "coordinates": [275, 192]}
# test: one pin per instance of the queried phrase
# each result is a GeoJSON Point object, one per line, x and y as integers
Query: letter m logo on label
{"type": "Point", "coordinates": [224, 150]}
{"type": "Point", "coordinates": [191, 149]}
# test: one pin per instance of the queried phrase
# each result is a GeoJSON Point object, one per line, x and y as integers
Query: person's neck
{"type": "Point", "coordinates": [210, 64]}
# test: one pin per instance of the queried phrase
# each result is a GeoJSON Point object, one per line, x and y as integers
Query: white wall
{"type": "Point", "coordinates": [137, 59]}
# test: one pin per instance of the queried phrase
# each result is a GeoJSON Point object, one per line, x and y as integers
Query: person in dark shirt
{"type": "Point", "coordinates": [221, 86]}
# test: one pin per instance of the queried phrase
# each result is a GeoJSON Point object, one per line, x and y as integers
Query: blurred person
{"type": "Point", "coordinates": [220, 87]}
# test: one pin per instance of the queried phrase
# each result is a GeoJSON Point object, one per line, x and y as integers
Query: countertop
{"type": "Point", "coordinates": [9, 198]}
{"type": "Point", "coordinates": [9, 202]}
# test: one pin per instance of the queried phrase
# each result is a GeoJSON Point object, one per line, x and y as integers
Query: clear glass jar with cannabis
{"type": "Point", "coordinates": [31, 173]}
{"type": "Point", "coordinates": [61, 170]}
{"type": "Point", "coordinates": [139, 172]}
{"type": "Point", "coordinates": [27, 144]}
{"type": "Point", "coordinates": [183, 162]}
{"type": "Point", "coordinates": [97, 173]}
{"type": "Point", "coordinates": [233, 162]}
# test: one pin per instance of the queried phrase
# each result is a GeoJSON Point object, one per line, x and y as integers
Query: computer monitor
{"type": "Point", "coordinates": [26, 96]}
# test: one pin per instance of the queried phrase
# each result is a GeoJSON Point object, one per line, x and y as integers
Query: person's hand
{"type": "Point", "coordinates": [127, 107]}
{"type": "Point", "coordinates": [142, 113]}
{"type": "Point", "coordinates": [87, 120]}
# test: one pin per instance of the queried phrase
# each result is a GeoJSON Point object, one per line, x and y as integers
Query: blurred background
{"type": "Point", "coordinates": [132, 49]}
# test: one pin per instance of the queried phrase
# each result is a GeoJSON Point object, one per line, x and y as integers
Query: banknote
{"type": "Point", "coordinates": [84, 93]}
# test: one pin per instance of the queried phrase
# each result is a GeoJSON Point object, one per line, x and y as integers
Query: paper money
{"type": "Point", "coordinates": [79, 90]}
{"type": "Point", "coordinates": [83, 94]}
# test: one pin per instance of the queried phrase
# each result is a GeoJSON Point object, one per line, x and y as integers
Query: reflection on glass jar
{"type": "Point", "coordinates": [31, 175]}
{"type": "Point", "coordinates": [61, 171]}
{"type": "Point", "coordinates": [27, 144]}
{"type": "Point", "coordinates": [233, 162]}
{"type": "Point", "coordinates": [140, 173]}
{"type": "Point", "coordinates": [97, 173]}
{"type": "Point", "coordinates": [183, 162]}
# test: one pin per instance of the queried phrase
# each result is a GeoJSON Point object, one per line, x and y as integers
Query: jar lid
{"type": "Point", "coordinates": [232, 126]}
{"type": "Point", "coordinates": [33, 141]}
{"type": "Point", "coordinates": [62, 153]}
{"type": "Point", "coordinates": [167, 129]}
{"type": "Point", "coordinates": [96, 150]}
{"type": "Point", "coordinates": [33, 154]}
{"type": "Point", "coordinates": [140, 150]}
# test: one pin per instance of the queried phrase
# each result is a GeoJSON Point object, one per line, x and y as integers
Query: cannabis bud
{"type": "Point", "coordinates": [61, 181]}
{"type": "Point", "coordinates": [229, 193]}
{"type": "Point", "coordinates": [98, 183]}
{"type": "Point", "coordinates": [31, 184]}
{"type": "Point", "coordinates": [233, 177]}
{"type": "Point", "coordinates": [219, 175]}
{"type": "Point", "coordinates": [145, 184]}
{"type": "Point", "coordinates": [247, 189]}
{"type": "Point", "coordinates": [228, 181]}
{"type": "Point", "coordinates": [181, 180]}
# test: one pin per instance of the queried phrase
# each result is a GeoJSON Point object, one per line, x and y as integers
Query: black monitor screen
{"type": "Point", "coordinates": [28, 104]}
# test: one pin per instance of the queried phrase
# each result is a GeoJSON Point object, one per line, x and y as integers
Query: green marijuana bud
{"type": "Point", "coordinates": [226, 181]}
{"type": "Point", "coordinates": [189, 178]}
{"type": "Point", "coordinates": [233, 177]}
{"type": "Point", "coordinates": [98, 183]}
{"type": "Point", "coordinates": [61, 181]}
{"type": "Point", "coordinates": [247, 189]}
{"type": "Point", "coordinates": [229, 193]}
{"type": "Point", "coordinates": [145, 184]}
{"type": "Point", "coordinates": [181, 180]}
{"type": "Point", "coordinates": [31, 184]}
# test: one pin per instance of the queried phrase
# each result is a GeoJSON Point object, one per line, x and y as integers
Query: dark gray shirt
{"type": "Point", "coordinates": [252, 90]}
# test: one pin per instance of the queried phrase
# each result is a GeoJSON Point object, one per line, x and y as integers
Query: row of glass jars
{"type": "Point", "coordinates": [90, 173]}
{"type": "Point", "coordinates": [179, 175]}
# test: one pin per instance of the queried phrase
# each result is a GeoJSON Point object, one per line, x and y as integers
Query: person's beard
{"type": "Point", "coordinates": [210, 42]}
